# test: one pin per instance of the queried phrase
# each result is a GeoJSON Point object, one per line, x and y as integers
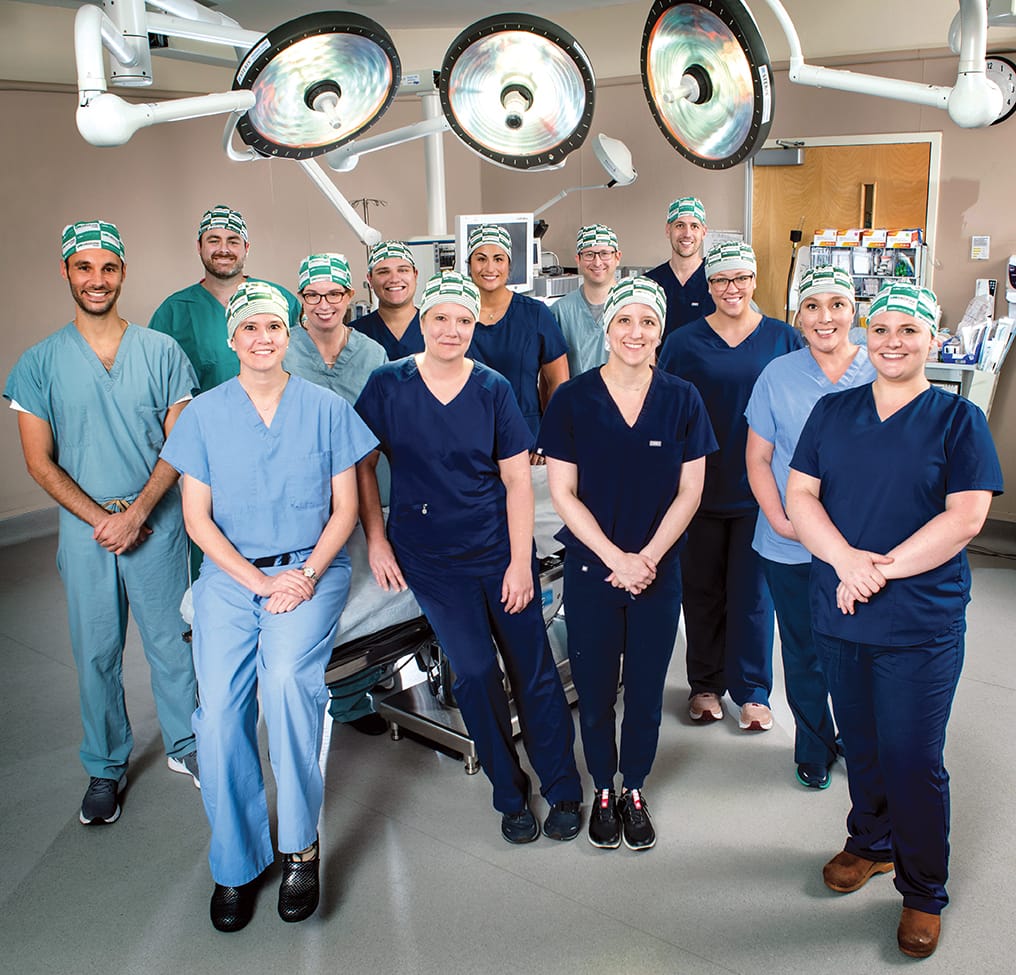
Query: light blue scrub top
{"type": "Point", "coordinates": [373, 326]}
{"type": "Point", "coordinates": [197, 321]}
{"type": "Point", "coordinates": [628, 476]}
{"type": "Point", "coordinates": [780, 403]}
{"type": "Point", "coordinates": [587, 346]}
{"type": "Point", "coordinates": [107, 426]}
{"type": "Point", "coordinates": [271, 486]}
{"type": "Point", "coordinates": [448, 506]}
{"type": "Point", "coordinates": [359, 358]}
{"type": "Point", "coordinates": [725, 377]}
{"type": "Point", "coordinates": [881, 481]}
{"type": "Point", "coordinates": [517, 345]}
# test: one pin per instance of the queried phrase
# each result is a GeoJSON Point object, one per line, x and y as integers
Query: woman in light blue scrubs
{"type": "Point", "coordinates": [515, 334]}
{"type": "Point", "coordinates": [728, 612]}
{"type": "Point", "coordinates": [780, 403]}
{"type": "Point", "coordinates": [460, 533]}
{"type": "Point", "coordinates": [888, 484]}
{"type": "Point", "coordinates": [269, 495]}
{"type": "Point", "coordinates": [622, 576]}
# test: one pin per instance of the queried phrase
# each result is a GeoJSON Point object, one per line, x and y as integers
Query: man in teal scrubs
{"type": "Point", "coordinates": [196, 316]}
{"type": "Point", "coordinates": [95, 403]}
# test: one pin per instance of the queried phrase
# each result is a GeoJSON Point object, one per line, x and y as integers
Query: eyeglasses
{"type": "Point", "coordinates": [332, 297]}
{"type": "Point", "coordinates": [740, 282]}
{"type": "Point", "coordinates": [587, 257]}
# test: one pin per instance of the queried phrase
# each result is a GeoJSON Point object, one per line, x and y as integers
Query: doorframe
{"type": "Point", "coordinates": [934, 139]}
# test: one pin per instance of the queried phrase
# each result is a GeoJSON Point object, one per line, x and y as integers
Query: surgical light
{"type": "Point", "coordinates": [518, 90]}
{"type": "Point", "coordinates": [318, 81]}
{"type": "Point", "coordinates": [707, 78]}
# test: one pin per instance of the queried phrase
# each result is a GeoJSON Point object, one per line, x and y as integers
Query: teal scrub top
{"type": "Point", "coordinates": [587, 345]}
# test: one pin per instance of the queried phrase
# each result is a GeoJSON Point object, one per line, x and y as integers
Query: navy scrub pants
{"type": "Point", "coordinates": [807, 691]}
{"type": "Point", "coordinates": [892, 705]}
{"type": "Point", "coordinates": [728, 613]}
{"type": "Point", "coordinates": [605, 624]}
{"type": "Point", "coordinates": [465, 611]}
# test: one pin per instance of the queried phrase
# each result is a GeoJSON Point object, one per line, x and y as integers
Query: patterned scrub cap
{"type": "Point", "coordinates": [489, 233]}
{"type": "Point", "coordinates": [452, 287]}
{"type": "Point", "coordinates": [387, 250]}
{"type": "Point", "coordinates": [920, 303]}
{"type": "Point", "coordinates": [634, 291]}
{"type": "Point", "coordinates": [595, 235]}
{"type": "Point", "coordinates": [255, 298]}
{"type": "Point", "coordinates": [221, 215]}
{"type": "Point", "coordinates": [91, 235]}
{"type": "Point", "coordinates": [730, 255]}
{"type": "Point", "coordinates": [827, 280]}
{"type": "Point", "coordinates": [325, 267]}
{"type": "Point", "coordinates": [687, 206]}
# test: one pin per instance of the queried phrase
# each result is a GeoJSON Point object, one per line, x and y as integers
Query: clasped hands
{"type": "Point", "coordinates": [860, 578]}
{"type": "Point", "coordinates": [286, 590]}
{"type": "Point", "coordinates": [633, 571]}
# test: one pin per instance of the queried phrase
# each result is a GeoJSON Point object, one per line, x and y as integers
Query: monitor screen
{"type": "Point", "coordinates": [520, 228]}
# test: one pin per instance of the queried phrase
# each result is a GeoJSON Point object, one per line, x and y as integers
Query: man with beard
{"type": "Point", "coordinates": [683, 277]}
{"type": "Point", "coordinates": [196, 316]}
{"type": "Point", "coordinates": [395, 325]}
{"type": "Point", "coordinates": [95, 402]}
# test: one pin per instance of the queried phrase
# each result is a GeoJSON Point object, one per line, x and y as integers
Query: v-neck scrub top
{"type": "Point", "coordinates": [197, 320]}
{"type": "Point", "coordinates": [524, 339]}
{"type": "Point", "coordinates": [448, 503]}
{"type": "Point", "coordinates": [271, 486]}
{"type": "Point", "coordinates": [373, 326]}
{"type": "Point", "coordinates": [882, 480]}
{"type": "Point", "coordinates": [627, 476]}
{"type": "Point", "coordinates": [685, 302]}
{"type": "Point", "coordinates": [725, 376]}
{"type": "Point", "coordinates": [780, 404]}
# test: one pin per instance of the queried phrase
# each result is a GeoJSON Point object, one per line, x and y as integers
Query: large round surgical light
{"type": "Point", "coordinates": [518, 90]}
{"type": "Point", "coordinates": [319, 80]}
{"type": "Point", "coordinates": [708, 80]}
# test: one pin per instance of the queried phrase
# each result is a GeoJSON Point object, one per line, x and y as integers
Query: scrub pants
{"type": "Point", "coordinates": [465, 611]}
{"type": "Point", "coordinates": [728, 613]}
{"type": "Point", "coordinates": [807, 691]}
{"type": "Point", "coordinates": [605, 623]}
{"type": "Point", "coordinates": [892, 705]}
{"type": "Point", "coordinates": [240, 649]}
{"type": "Point", "coordinates": [101, 589]}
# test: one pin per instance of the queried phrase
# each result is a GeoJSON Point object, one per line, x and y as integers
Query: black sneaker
{"type": "Point", "coordinates": [102, 801]}
{"type": "Point", "coordinates": [520, 827]}
{"type": "Point", "coordinates": [604, 826]}
{"type": "Point", "coordinates": [635, 822]}
{"type": "Point", "coordinates": [563, 821]}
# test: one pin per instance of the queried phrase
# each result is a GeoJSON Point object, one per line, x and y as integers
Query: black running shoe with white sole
{"type": "Point", "coordinates": [101, 804]}
{"type": "Point", "coordinates": [636, 825]}
{"type": "Point", "coordinates": [604, 826]}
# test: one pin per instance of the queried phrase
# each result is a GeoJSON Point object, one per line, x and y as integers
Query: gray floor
{"type": "Point", "coordinates": [417, 878]}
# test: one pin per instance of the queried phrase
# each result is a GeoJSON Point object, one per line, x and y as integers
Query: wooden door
{"type": "Point", "coordinates": [829, 191]}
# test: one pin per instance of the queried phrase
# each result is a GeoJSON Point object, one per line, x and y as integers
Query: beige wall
{"type": "Point", "coordinates": [156, 186]}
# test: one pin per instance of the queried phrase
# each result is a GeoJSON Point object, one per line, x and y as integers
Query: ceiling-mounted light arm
{"type": "Point", "coordinates": [345, 158]}
{"type": "Point", "coordinates": [189, 10]}
{"type": "Point", "coordinates": [209, 32]}
{"type": "Point", "coordinates": [973, 102]}
{"type": "Point", "coordinates": [614, 156]}
{"type": "Point", "coordinates": [368, 235]}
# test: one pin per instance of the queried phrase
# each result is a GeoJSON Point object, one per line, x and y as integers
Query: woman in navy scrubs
{"type": "Point", "coordinates": [780, 403]}
{"type": "Point", "coordinates": [888, 484]}
{"type": "Point", "coordinates": [460, 533]}
{"type": "Point", "coordinates": [516, 335]}
{"type": "Point", "coordinates": [622, 576]}
{"type": "Point", "coordinates": [728, 612]}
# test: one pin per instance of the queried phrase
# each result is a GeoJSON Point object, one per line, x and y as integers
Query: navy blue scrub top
{"type": "Point", "coordinates": [882, 480]}
{"type": "Point", "coordinates": [526, 338]}
{"type": "Point", "coordinates": [627, 476]}
{"type": "Point", "coordinates": [447, 500]}
{"type": "Point", "coordinates": [373, 326]}
{"type": "Point", "coordinates": [725, 377]}
{"type": "Point", "coordinates": [685, 302]}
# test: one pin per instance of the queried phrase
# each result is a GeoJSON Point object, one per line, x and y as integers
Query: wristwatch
{"type": "Point", "coordinates": [310, 573]}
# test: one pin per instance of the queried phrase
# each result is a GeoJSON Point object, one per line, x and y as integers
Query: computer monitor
{"type": "Point", "coordinates": [519, 227]}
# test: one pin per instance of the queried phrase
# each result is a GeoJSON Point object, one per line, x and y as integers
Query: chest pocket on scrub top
{"type": "Point", "coordinates": [308, 482]}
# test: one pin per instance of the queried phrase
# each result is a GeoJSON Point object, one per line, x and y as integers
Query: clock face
{"type": "Point", "coordinates": [1003, 72]}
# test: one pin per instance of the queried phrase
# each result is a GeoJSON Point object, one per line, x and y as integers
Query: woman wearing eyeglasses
{"type": "Point", "coordinates": [327, 352]}
{"type": "Point", "coordinates": [728, 612]}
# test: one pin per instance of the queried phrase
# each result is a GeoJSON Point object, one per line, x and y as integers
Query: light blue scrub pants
{"type": "Point", "coordinates": [101, 588]}
{"type": "Point", "coordinates": [240, 649]}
